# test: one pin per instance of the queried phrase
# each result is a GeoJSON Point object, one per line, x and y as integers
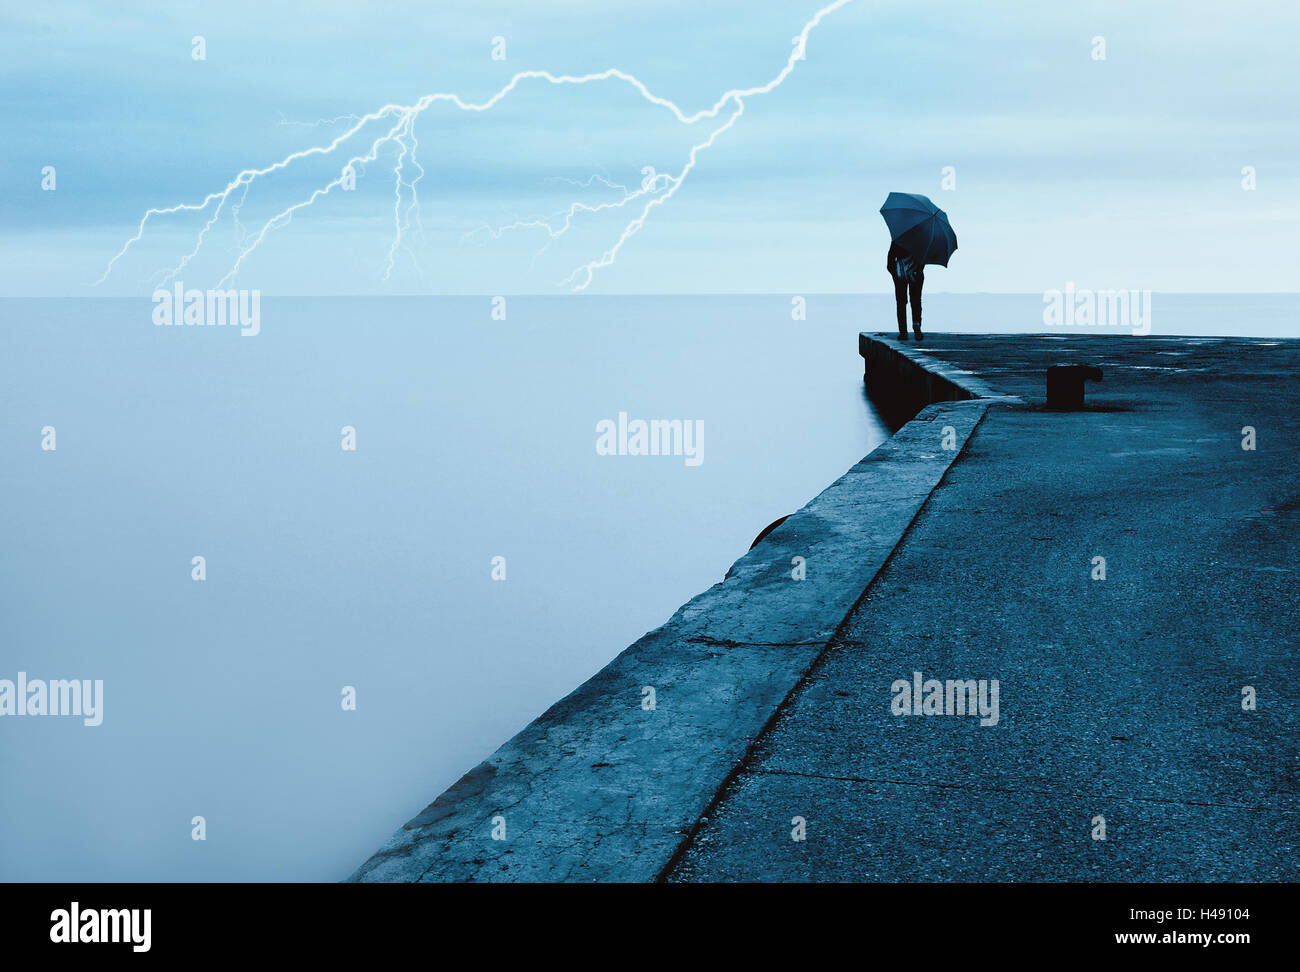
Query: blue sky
{"type": "Point", "coordinates": [1122, 173]}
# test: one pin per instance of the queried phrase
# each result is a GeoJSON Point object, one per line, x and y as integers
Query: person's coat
{"type": "Point", "coordinates": [901, 266]}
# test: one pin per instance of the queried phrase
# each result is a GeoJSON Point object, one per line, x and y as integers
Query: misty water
{"type": "Point", "coordinates": [325, 568]}
{"type": "Point", "coordinates": [475, 438]}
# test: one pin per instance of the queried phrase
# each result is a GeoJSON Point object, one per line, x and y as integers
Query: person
{"type": "Point", "coordinates": [909, 278]}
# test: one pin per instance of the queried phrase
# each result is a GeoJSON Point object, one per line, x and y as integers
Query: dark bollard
{"type": "Point", "coordinates": [1065, 386]}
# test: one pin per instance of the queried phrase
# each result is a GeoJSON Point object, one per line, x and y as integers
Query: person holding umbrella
{"type": "Point", "coordinates": [908, 279]}
{"type": "Point", "coordinates": [919, 233]}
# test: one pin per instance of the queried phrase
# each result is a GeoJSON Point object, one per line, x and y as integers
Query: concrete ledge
{"type": "Point", "coordinates": [601, 789]}
{"type": "Point", "coordinates": [908, 378]}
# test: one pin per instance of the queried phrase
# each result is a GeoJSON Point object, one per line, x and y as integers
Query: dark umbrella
{"type": "Point", "coordinates": [919, 227]}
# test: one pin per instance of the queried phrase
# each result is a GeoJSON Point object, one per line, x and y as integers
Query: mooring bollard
{"type": "Point", "coordinates": [1065, 386]}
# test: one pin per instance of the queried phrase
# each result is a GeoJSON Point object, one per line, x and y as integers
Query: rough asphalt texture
{"type": "Point", "coordinates": [1119, 698]}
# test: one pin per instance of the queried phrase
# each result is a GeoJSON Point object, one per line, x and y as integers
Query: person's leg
{"type": "Point", "coordinates": [915, 288]}
{"type": "Point", "coordinates": [900, 299]}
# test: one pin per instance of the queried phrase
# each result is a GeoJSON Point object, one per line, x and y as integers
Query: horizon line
{"type": "Point", "coordinates": [721, 293]}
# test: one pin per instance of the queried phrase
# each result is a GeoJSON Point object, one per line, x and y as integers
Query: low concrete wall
{"type": "Point", "coordinates": [605, 786]}
{"type": "Point", "coordinates": [909, 379]}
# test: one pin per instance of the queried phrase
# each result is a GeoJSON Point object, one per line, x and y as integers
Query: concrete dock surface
{"type": "Point", "coordinates": [1092, 611]}
{"type": "Point", "coordinates": [1146, 722]}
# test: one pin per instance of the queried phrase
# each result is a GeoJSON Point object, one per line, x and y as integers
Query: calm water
{"type": "Point", "coordinates": [325, 568]}
{"type": "Point", "coordinates": [372, 569]}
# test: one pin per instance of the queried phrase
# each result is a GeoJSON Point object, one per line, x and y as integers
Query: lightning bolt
{"type": "Point", "coordinates": [319, 122]}
{"type": "Point", "coordinates": [566, 216]}
{"type": "Point", "coordinates": [400, 132]}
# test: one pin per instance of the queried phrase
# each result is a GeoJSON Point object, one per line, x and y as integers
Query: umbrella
{"type": "Point", "coordinates": [919, 227]}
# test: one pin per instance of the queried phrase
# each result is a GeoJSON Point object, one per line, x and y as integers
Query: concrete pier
{"type": "Point", "coordinates": [964, 548]}
{"type": "Point", "coordinates": [1121, 700]}
{"type": "Point", "coordinates": [901, 375]}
